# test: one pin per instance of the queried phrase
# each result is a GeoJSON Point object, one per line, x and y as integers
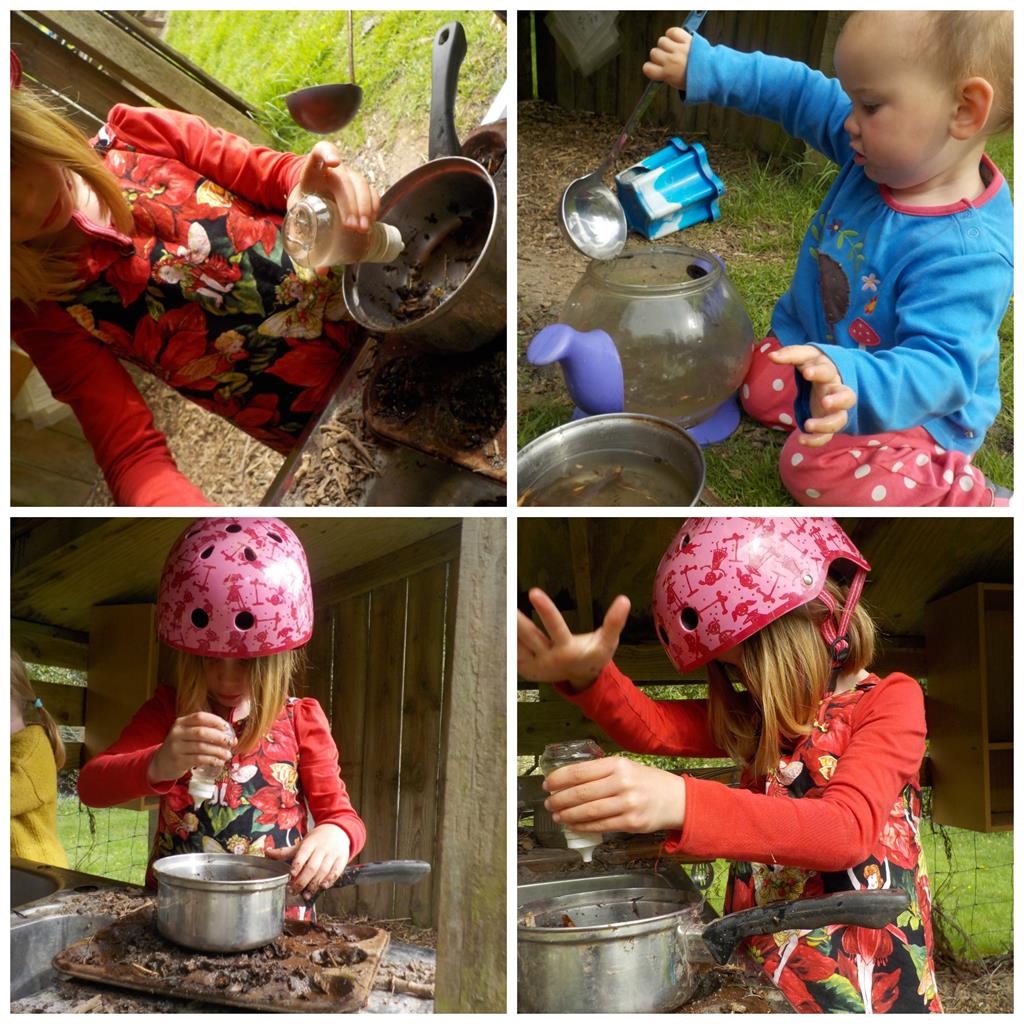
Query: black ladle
{"type": "Point", "coordinates": [322, 109]}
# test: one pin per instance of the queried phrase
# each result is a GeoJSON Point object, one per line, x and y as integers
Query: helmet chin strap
{"type": "Point", "coordinates": [836, 639]}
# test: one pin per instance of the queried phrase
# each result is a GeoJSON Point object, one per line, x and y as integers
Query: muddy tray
{"type": "Point", "coordinates": [448, 405]}
{"type": "Point", "coordinates": [329, 968]}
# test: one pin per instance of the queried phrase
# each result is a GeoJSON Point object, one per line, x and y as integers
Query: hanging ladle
{"type": "Point", "coordinates": [322, 109]}
{"type": "Point", "coordinates": [591, 214]}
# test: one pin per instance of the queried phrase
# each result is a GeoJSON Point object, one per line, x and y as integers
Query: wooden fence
{"type": "Point", "coordinates": [546, 73]}
{"type": "Point", "coordinates": [91, 60]}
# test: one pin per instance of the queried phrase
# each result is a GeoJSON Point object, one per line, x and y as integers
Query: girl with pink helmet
{"type": "Point", "coordinates": [830, 798]}
{"type": "Point", "coordinates": [236, 605]}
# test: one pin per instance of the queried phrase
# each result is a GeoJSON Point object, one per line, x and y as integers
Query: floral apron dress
{"type": "Point", "coordinates": [845, 968]}
{"type": "Point", "coordinates": [257, 805]}
{"type": "Point", "coordinates": [206, 299]}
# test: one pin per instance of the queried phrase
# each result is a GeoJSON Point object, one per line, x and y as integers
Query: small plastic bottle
{"type": "Point", "coordinates": [315, 237]}
{"type": "Point", "coordinates": [558, 755]}
{"type": "Point", "coordinates": [203, 784]}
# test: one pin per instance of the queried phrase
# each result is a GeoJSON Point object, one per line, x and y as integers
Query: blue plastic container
{"type": "Point", "coordinates": [670, 190]}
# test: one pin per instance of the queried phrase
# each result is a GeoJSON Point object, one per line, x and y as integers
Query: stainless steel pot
{"type": "Point", "coordinates": [633, 950]}
{"type": "Point", "coordinates": [451, 215]}
{"type": "Point", "coordinates": [223, 903]}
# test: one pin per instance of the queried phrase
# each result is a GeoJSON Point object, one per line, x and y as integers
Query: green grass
{"type": "Point", "coordinates": [110, 842]}
{"type": "Point", "coordinates": [263, 55]}
{"type": "Point", "coordinates": [765, 214]}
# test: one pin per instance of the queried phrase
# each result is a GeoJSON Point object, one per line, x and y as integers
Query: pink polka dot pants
{"type": "Point", "coordinates": [899, 468]}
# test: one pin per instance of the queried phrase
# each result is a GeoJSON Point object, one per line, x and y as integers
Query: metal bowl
{"type": "Point", "coordinates": [619, 459]}
{"type": "Point", "coordinates": [220, 902]}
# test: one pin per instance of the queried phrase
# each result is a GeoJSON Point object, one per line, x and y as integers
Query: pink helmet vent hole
{"type": "Point", "coordinates": [191, 533]}
{"type": "Point", "coordinates": [250, 555]}
{"type": "Point", "coordinates": [199, 618]}
{"type": "Point", "coordinates": [244, 621]}
{"type": "Point", "coordinates": [683, 541]}
{"type": "Point", "coordinates": [207, 552]}
{"type": "Point", "coordinates": [662, 635]}
{"type": "Point", "coordinates": [233, 528]}
{"type": "Point", "coordinates": [688, 618]}
{"type": "Point", "coordinates": [274, 537]}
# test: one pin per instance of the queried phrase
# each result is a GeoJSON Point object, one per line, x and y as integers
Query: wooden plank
{"type": "Point", "coordinates": [64, 703]}
{"type": "Point", "coordinates": [72, 756]}
{"type": "Point", "coordinates": [422, 553]}
{"type": "Point", "coordinates": [46, 60]}
{"type": "Point", "coordinates": [132, 61]}
{"type": "Point", "coordinates": [524, 56]}
{"type": "Point", "coordinates": [548, 58]}
{"type": "Point", "coordinates": [579, 554]}
{"type": "Point", "coordinates": [68, 458]}
{"type": "Point", "coordinates": [421, 734]}
{"type": "Point", "coordinates": [381, 738]}
{"type": "Point", "coordinates": [352, 682]}
{"type": "Point", "coordinates": [32, 487]}
{"type": "Point", "coordinates": [471, 907]}
{"type": "Point", "coordinates": [319, 675]}
{"type": "Point", "coordinates": [123, 658]}
{"type": "Point", "coordinates": [41, 644]}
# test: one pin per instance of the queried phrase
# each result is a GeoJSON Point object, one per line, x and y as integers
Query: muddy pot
{"type": "Point", "coordinates": [228, 903]}
{"type": "Point", "coordinates": [447, 290]}
{"type": "Point", "coordinates": [635, 950]}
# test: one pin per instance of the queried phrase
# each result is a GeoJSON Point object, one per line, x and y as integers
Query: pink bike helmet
{"type": "Point", "coordinates": [721, 580]}
{"type": "Point", "coordinates": [235, 588]}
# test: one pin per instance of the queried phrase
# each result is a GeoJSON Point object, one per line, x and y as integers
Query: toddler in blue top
{"type": "Point", "coordinates": [906, 270]}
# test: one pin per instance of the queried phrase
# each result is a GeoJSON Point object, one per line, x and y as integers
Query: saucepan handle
{"type": "Point", "coordinates": [873, 908]}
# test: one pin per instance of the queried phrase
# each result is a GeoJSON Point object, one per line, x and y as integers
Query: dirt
{"type": "Point", "coordinates": [309, 966]}
{"type": "Point", "coordinates": [555, 147]}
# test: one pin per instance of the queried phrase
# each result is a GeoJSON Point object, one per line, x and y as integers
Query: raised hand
{"type": "Point", "coordinates": [555, 654]}
{"type": "Point", "coordinates": [669, 58]}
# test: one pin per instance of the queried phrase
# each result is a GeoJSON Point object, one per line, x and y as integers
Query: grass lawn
{"type": "Point", "coordinates": [263, 55]}
{"type": "Point", "coordinates": [110, 842]}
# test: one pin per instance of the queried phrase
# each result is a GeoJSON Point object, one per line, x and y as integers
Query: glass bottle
{"type": "Point", "coordinates": [558, 755]}
{"type": "Point", "coordinates": [203, 783]}
{"type": "Point", "coordinates": [314, 236]}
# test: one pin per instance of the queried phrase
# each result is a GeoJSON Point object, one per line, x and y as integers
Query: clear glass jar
{"type": "Point", "coordinates": [314, 236]}
{"type": "Point", "coordinates": [680, 327]}
{"type": "Point", "coordinates": [558, 755]}
{"type": "Point", "coordinates": [203, 783]}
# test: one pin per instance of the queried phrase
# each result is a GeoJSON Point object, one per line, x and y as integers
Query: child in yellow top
{"type": "Point", "coordinates": [36, 754]}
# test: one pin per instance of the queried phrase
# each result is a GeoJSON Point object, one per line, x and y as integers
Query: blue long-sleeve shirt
{"type": "Point", "coordinates": [906, 301]}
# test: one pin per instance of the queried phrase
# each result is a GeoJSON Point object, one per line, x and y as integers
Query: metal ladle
{"type": "Point", "coordinates": [591, 215]}
{"type": "Point", "coordinates": [322, 109]}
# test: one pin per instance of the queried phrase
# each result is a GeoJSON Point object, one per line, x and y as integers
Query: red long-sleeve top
{"type": "Point", "coordinates": [200, 295]}
{"type": "Point", "coordinates": [120, 773]}
{"type": "Point", "coordinates": [832, 833]}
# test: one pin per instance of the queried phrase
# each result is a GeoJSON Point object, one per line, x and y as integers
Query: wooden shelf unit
{"type": "Point", "coordinates": [969, 642]}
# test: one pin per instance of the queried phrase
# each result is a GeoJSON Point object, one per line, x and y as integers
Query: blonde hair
{"type": "Point", "coordinates": [270, 682]}
{"type": "Point", "coordinates": [967, 44]}
{"type": "Point", "coordinates": [42, 271]}
{"type": "Point", "coordinates": [24, 696]}
{"type": "Point", "coordinates": [786, 668]}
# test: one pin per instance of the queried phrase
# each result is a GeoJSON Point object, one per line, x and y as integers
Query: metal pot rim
{"type": "Point", "coordinates": [178, 871]}
{"type": "Point", "coordinates": [688, 913]}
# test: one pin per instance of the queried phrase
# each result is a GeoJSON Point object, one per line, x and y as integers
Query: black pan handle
{"type": "Point", "coordinates": [448, 54]}
{"type": "Point", "coordinates": [404, 872]}
{"type": "Point", "coordinates": [869, 908]}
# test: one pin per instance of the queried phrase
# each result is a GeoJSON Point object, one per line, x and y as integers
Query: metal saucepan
{"type": "Point", "coordinates": [447, 290]}
{"type": "Point", "coordinates": [227, 903]}
{"type": "Point", "coordinates": [634, 950]}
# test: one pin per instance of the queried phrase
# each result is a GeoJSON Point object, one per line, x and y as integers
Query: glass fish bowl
{"type": "Point", "coordinates": [680, 327]}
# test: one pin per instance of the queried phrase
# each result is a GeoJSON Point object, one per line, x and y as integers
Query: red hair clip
{"type": "Point", "coordinates": [15, 71]}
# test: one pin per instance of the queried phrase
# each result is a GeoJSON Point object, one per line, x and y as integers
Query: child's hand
{"type": "Point", "coordinates": [669, 58]}
{"type": "Point", "coordinates": [358, 202]}
{"type": "Point", "coordinates": [830, 397]}
{"type": "Point", "coordinates": [199, 738]}
{"type": "Point", "coordinates": [318, 859]}
{"type": "Point", "coordinates": [561, 655]}
{"type": "Point", "coordinates": [614, 794]}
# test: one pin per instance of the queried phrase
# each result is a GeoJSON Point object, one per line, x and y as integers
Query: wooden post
{"type": "Point", "coordinates": [471, 968]}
